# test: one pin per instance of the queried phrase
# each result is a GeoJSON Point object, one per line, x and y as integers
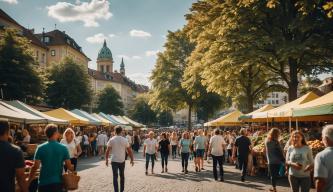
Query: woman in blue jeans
{"type": "Point", "coordinates": [184, 146]}
{"type": "Point", "coordinates": [149, 151]}
{"type": "Point", "coordinates": [164, 148]}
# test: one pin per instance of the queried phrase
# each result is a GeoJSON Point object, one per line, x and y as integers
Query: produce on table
{"type": "Point", "coordinates": [316, 146]}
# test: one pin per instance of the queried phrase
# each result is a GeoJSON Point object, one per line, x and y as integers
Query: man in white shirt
{"type": "Point", "coordinates": [323, 167]}
{"type": "Point", "coordinates": [216, 149]}
{"type": "Point", "coordinates": [118, 146]}
{"type": "Point", "coordinates": [149, 151]}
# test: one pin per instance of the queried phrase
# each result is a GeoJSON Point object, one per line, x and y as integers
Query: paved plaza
{"type": "Point", "coordinates": [95, 176]}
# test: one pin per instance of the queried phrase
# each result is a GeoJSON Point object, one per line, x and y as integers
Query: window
{"type": "Point", "coordinates": [277, 95]}
{"type": "Point", "coordinates": [46, 39]}
{"type": "Point", "coordinates": [277, 101]}
{"type": "Point", "coordinates": [43, 58]}
{"type": "Point", "coordinates": [53, 53]}
{"type": "Point", "coordinates": [273, 101]}
{"type": "Point", "coordinates": [107, 68]}
{"type": "Point", "coordinates": [102, 68]}
{"type": "Point", "coordinates": [269, 101]}
{"type": "Point", "coordinates": [37, 55]}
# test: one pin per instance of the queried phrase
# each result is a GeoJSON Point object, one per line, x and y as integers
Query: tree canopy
{"type": "Point", "coordinates": [280, 38]}
{"type": "Point", "coordinates": [109, 101]}
{"type": "Point", "coordinates": [69, 85]}
{"type": "Point", "coordinates": [19, 78]}
{"type": "Point", "coordinates": [142, 111]}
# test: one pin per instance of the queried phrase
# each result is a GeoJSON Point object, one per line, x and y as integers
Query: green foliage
{"type": "Point", "coordinates": [109, 102]}
{"type": "Point", "coordinates": [209, 104]}
{"type": "Point", "coordinates": [167, 92]}
{"type": "Point", "coordinates": [19, 78]}
{"type": "Point", "coordinates": [282, 38]}
{"type": "Point", "coordinates": [165, 118]}
{"type": "Point", "coordinates": [309, 84]}
{"type": "Point", "coordinates": [142, 112]}
{"type": "Point", "coordinates": [69, 87]}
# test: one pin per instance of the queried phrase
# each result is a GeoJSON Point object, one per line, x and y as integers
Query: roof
{"type": "Point", "coordinates": [104, 52]}
{"type": "Point", "coordinates": [26, 32]}
{"type": "Point", "coordinates": [117, 78]}
{"type": "Point", "coordinates": [33, 39]}
{"type": "Point", "coordinates": [6, 17]}
{"type": "Point", "coordinates": [58, 37]}
{"type": "Point", "coordinates": [92, 120]}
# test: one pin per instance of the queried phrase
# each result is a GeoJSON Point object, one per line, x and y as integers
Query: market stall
{"type": "Point", "coordinates": [230, 119]}
{"type": "Point", "coordinates": [104, 121]}
{"type": "Point", "coordinates": [92, 120]}
{"type": "Point", "coordinates": [24, 107]}
{"type": "Point", "coordinates": [73, 119]}
{"type": "Point", "coordinates": [248, 117]}
{"type": "Point", "coordinates": [109, 118]}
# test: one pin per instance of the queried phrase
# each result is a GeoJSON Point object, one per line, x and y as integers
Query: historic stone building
{"type": "Point", "coordinates": [105, 75]}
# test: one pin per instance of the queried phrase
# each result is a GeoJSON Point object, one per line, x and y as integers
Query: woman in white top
{"type": "Point", "coordinates": [73, 146]}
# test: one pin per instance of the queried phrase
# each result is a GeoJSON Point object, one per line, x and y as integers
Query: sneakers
{"type": "Point", "coordinates": [183, 170]}
{"type": "Point", "coordinates": [186, 172]}
{"type": "Point", "coordinates": [162, 171]}
{"type": "Point", "coordinates": [243, 179]}
{"type": "Point", "coordinates": [196, 169]}
{"type": "Point", "coordinates": [146, 172]}
{"type": "Point", "coordinates": [221, 180]}
{"type": "Point", "coordinates": [166, 170]}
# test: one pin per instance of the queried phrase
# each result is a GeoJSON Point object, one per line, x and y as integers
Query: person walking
{"type": "Point", "coordinates": [199, 147]}
{"type": "Point", "coordinates": [243, 148]}
{"type": "Point", "coordinates": [50, 157]}
{"type": "Point", "coordinates": [72, 145]}
{"type": "Point", "coordinates": [164, 148]}
{"type": "Point", "coordinates": [102, 140]}
{"type": "Point", "coordinates": [136, 142]}
{"type": "Point", "coordinates": [274, 155]}
{"type": "Point", "coordinates": [149, 151]}
{"type": "Point", "coordinates": [11, 162]}
{"type": "Point", "coordinates": [118, 145]}
{"type": "Point", "coordinates": [323, 166]}
{"type": "Point", "coordinates": [299, 159]}
{"type": "Point", "coordinates": [85, 142]}
{"type": "Point", "coordinates": [184, 145]}
{"type": "Point", "coordinates": [174, 144]}
{"type": "Point", "coordinates": [216, 149]}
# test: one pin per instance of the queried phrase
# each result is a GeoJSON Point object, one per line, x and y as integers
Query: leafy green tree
{"type": "Point", "coordinates": [19, 78]}
{"type": "Point", "coordinates": [142, 111]}
{"type": "Point", "coordinates": [278, 35]}
{"type": "Point", "coordinates": [69, 87]}
{"type": "Point", "coordinates": [309, 84]}
{"type": "Point", "coordinates": [109, 101]}
{"type": "Point", "coordinates": [165, 118]}
{"type": "Point", "coordinates": [167, 93]}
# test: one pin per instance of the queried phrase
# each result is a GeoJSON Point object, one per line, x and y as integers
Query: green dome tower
{"type": "Point", "coordinates": [105, 59]}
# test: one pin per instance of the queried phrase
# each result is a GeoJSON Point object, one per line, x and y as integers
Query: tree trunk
{"type": "Point", "coordinates": [249, 103]}
{"type": "Point", "coordinates": [189, 118]}
{"type": "Point", "coordinates": [293, 84]}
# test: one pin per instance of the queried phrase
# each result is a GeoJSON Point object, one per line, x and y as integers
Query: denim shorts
{"type": "Point", "coordinates": [200, 152]}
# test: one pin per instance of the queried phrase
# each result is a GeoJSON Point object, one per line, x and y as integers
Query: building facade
{"type": "Point", "coordinates": [105, 75]}
{"type": "Point", "coordinates": [275, 99]}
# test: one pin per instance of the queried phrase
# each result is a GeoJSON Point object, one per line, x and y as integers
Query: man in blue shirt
{"type": "Point", "coordinates": [52, 156]}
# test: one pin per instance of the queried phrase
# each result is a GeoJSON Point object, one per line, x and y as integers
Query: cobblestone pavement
{"type": "Point", "coordinates": [95, 176]}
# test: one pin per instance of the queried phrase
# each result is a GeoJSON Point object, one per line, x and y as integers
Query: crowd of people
{"type": "Point", "coordinates": [53, 158]}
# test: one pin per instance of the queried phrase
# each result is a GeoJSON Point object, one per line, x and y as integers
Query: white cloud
{"type": "Point", "coordinates": [139, 33]}
{"type": "Point", "coordinates": [87, 12]}
{"type": "Point", "coordinates": [127, 57]}
{"type": "Point", "coordinates": [140, 78]}
{"type": "Point", "coordinates": [10, 1]}
{"type": "Point", "coordinates": [99, 38]}
{"type": "Point", "coordinates": [152, 53]}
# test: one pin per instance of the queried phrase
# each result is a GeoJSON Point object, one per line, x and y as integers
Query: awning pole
{"type": "Point", "coordinates": [289, 125]}
{"type": "Point", "coordinates": [267, 125]}
{"type": "Point", "coordinates": [296, 124]}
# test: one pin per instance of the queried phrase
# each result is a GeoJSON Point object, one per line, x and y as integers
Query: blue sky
{"type": "Point", "coordinates": [134, 29]}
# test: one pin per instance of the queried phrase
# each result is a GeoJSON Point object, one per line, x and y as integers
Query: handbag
{"type": "Point", "coordinates": [71, 180]}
